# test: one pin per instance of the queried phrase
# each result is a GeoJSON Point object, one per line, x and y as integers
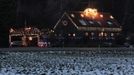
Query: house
{"type": "Point", "coordinates": [28, 36]}
{"type": "Point", "coordinates": [86, 27]}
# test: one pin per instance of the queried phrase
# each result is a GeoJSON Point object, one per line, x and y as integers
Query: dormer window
{"type": "Point", "coordinates": [91, 22]}
{"type": "Point", "coordinates": [110, 23]}
{"type": "Point", "coordinates": [82, 22]}
{"type": "Point", "coordinates": [99, 23]}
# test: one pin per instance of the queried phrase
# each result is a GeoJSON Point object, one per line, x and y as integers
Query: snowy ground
{"type": "Point", "coordinates": [40, 63]}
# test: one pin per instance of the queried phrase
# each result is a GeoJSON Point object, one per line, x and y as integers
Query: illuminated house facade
{"type": "Point", "coordinates": [86, 28]}
{"type": "Point", "coordinates": [24, 36]}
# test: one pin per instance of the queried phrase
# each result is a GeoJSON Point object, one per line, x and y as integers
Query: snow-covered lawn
{"type": "Point", "coordinates": [40, 63]}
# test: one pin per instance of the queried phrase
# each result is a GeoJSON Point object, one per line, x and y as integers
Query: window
{"type": "Point", "coordinates": [82, 22]}
{"type": "Point", "coordinates": [59, 34]}
{"type": "Point", "coordinates": [99, 23]}
{"type": "Point", "coordinates": [91, 22]}
{"type": "Point", "coordinates": [86, 34]}
{"type": "Point", "coordinates": [69, 34]}
{"type": "Point", "coordinates": [111, 17]}
{"type": "Point", "coordinates": [109, 23]}
{"type": "Point", "coordinates": [55, 34]}
{"type": "Point", "coordinates": [101, 16]}
{"type": "Point", "coordinates": [105, 34]}
{"type": "Point", "coordinates": [74, 35]}
{"type": "Point", "coordinates": [92, 33]}
{"type": "Point", "coordinates": [112, 34]}
{"type": "Point", "coordinates": [101, 34]}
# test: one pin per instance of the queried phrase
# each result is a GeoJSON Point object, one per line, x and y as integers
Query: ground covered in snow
{"type": "Point", "coordinates": [41, 63]}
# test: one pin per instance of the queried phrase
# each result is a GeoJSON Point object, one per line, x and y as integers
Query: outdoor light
{"type": "Point", "coordinates": [72, 15]}
{"type": "Point", "coordinates": [11, 30]}
{"type": "Point", "coordinates": [81, 15]}
{"type": "Point", "coordinates": [101, 16]}
{"type": "Point", "coordinates": [27, 29]}
{"type": "Point", "coordinates": [52, 31]}
{"type": "Point", "coordinates": [111, 17]}
{"type": "Point", "coordinates": [101, 34]}
{"type": "Point", "coordinates": [12, 43]}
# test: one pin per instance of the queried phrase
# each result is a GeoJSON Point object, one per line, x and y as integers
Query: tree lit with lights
{"type": "Point", "coordinates": [90, 12]}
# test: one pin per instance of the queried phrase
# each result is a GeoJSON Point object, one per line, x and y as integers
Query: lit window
{"type": "Point", "coordinates": [101, 34]}
{"type": "Point", "coordinates": [30, 38]}
{"type": "Point", "coordinates": [105, 34]}
{"type": "Point", "coordinates": [74, 34]}
{"type": "Point", "coordinates": [11, 43]}
{"type": "Point", "coordinates": [112, 34]}
{"type": "Point", "coordinates": [69, 34]}
{"type": "Point", "coordinates": [86, 34]}
{"type": "Point", "coordinates": [92, 33]}
{"type": "Point", "coordinates": [82, 22]}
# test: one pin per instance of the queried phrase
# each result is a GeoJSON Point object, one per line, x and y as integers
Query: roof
{"type": "Point", "coordinates": [103, 20]}
{"type": "Point", "coordinates": [28, 30]}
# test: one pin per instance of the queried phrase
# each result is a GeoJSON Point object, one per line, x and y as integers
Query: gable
{"type": "Point", "coordinates": [65, 23]}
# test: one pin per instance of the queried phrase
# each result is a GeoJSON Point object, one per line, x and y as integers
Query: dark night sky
{"type": "Point", "coordinates": [45, 13]}
{"type": "Point", "coordinates": [40, 12]}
